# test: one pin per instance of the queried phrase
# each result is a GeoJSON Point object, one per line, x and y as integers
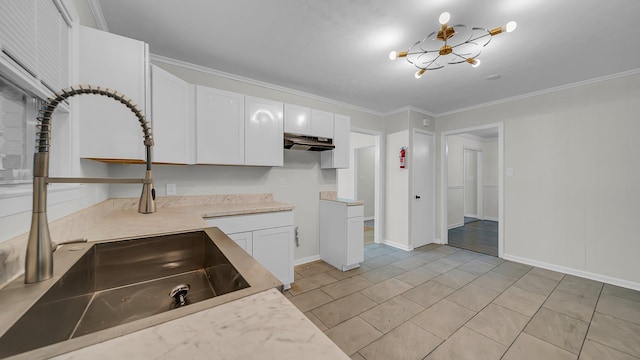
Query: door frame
{"type": "Point", "coordinates": [435, 178]}
{"type": "Point", "coordinates": [444, 231]}
{"type": "Point", "coordinates": [378, 206]}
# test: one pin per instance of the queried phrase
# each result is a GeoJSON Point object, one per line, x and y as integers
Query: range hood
{"type": "Point", "coordinates": [307, 143]}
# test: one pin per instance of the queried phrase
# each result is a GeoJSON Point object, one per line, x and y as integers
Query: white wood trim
{"type": "Point", "coordinates": [455, 187]}
{"type": "Point", "coordinates": [542, 92]}
{"type": "Point", "coordinates": [367, 218]}
{"type": "Point", "coordinates": [206, 70]}
{"type": "Point", "coordinates": [444, 180]}
{"type": "Point", "coordinates": [478, 138]}
{"type": "Point", "coordinates": [98, 15]}
{"type": "Point", "coordinates": [489, 218]}
{"type": "Point", "coordinates": [410, 108]}
{"type": "Point", "coordinates": [571, 271]}
{"type": "Point", "coordinates": [453, 226]}
{"type": "Point", "coordinates": [397, 245]}
{"type": "Point", "coordinates": [306, 260]}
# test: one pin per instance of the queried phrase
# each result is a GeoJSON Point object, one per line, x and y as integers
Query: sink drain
{"type": "Point", "coordinates": [179, 295]}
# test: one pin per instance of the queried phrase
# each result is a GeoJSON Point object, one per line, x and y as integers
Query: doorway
{"type": "Point", "coordinates": [423, 180]}
{"type": "Point", "coordinates": [472, 188]}
{"type": "Point", "coordinates": [364, 176]}
{"type": "Point", "coordinates": [362, 180]}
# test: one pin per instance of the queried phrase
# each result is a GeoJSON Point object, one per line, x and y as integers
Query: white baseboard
{"type": "Point", "coordinates": [571, 271]}
{"type": "Point", "coordinates": [397, 245]}
{"type": "Point", "coordinates": [491, 218]}
{"type": "Point", "coordinates": [472, 216]}
{"type": "Point", "coordinates": [453, 226]}
{"type": "Point", "coordinates": [306, 260]}
{"type": "Point", "coordinates": [367, 218]}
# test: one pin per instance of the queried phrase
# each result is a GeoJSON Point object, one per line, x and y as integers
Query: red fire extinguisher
{"type": "Point", "coordinates": [403, 154]}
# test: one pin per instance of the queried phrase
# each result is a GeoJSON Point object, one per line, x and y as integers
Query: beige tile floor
{"type": "Point", "coordinates": [440, 302]}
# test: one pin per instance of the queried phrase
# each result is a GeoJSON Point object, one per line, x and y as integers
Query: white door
{"type": "Point", "coordinates": [423, 218]}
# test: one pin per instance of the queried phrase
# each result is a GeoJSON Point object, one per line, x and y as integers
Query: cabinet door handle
{"type": "Point", "coordinates": [417, 196]}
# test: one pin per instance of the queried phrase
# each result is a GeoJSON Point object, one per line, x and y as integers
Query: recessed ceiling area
{"type": "Point", "coordinates": [340, 49]}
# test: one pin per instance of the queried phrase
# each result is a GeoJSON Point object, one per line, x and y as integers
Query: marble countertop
{"type": "Point", "coordinates": [333, 196]}
{"type": "Point", "coordinates": [262, 326]}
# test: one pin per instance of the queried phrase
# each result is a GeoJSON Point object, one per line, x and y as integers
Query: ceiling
{"type": "Point", "coordinates": [339, 49]}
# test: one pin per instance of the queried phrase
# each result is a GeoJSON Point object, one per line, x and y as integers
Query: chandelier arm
{"type": "Point", "coordinates": [430, 63]}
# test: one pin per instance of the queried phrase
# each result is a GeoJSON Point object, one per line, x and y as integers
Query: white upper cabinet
{"type": "Point", "coordinates": [321, 123]}
{"type": "Point", "coordinates": [297, 119]}
{"type": "Point", "coordinates": [305, 121]}
{"type": "Point", "coordinates": [35, 36]}
{"type": "Point", "coordinates": [339, 157]}
{"type": "Point", "coordinates": [172, 121]}
{"type": "Point", "coordinates": [109, 130]}
{"type": "Point", "coordinates": [220, 127]}
{"type": "Point", "coordinates": [263, 132]}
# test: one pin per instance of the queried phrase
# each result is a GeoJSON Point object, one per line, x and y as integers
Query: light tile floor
{"type": "Point", "coordinates": [440, 302]}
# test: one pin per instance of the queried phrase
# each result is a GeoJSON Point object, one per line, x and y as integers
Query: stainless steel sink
{"type": "Point", "coordinates": [120, 282]}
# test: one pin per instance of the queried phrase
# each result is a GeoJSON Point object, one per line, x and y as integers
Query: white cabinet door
{"type": "Point", "coordinates": [244, 240]}
{"type": "Point", "coordinates": [339, 157]}
{"type": "Point", "coordinates": [321, 123]}
{"type": "Point", "coordinates": [263, 132]}
{"type": "Point", "coordinates": [109, 130]}
{"type": "Point", "coordinates": [355, 240]}
{"type": "Point", "coordinates": [273, 248]}
{"type": "Point", "coordinates": [220, 129]}
{"type": "Point", "coordinates": [172, 123]}
{"type": "Point", "coordinates": [297, 119]}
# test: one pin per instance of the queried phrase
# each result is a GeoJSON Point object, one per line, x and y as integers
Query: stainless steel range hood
{"type": "Point", "coordinates": [307, 143]}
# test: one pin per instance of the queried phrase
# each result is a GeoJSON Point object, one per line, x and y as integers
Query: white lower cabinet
{"type": "Point", "coordinates": [244, 240]}
{"type": "Point", "coordinates": [341, 234]}
{"type": "Point", "coordinates": [273, 248]}
{"type": "Point", "coordinates": [267, 237]}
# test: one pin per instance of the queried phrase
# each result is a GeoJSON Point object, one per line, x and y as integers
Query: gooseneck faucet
{"type": "Point", "coordinates": [39, 259]}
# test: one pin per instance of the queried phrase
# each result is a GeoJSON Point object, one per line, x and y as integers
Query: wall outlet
{"type": "Point", "coordinates": [170, 189]}
{"type": "Point", "coordinates": [281, 183]}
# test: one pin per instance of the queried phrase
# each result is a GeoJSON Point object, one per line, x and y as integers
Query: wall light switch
{"type": "Point", "coordinates": [170, 189]}
{"type": "Point", "coordinates": [281, 183]}
{"type": "Point", "coordinates": [509, 171]}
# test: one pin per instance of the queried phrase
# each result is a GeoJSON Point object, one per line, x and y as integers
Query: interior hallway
{"type": "Point", "coordinates": [441, 302]}
{"type": "Point", "coordinates": [476, 235]}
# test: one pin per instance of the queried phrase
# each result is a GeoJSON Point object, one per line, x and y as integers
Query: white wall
{"type": "Point", "coordinates": [573, 197]}
{"type": "Point", "coordinates": [365, 179]}
{"type": "Point", "coordinates": [346, 181]}
{"type": "Point", "coordinates": [397, 192]}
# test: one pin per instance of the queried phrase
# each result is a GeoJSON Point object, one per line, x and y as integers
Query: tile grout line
{"type": "Point", "coordinates": [590, 320]}
{"type": "Point", "coordinates": [528, 322]}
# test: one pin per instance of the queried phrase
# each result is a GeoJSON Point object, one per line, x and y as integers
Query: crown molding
{"type": "Point", "coordinates": [206, 70]}
{"type": "Point", "coordinates": [410, 108]}
{"type": "Point", "coordinates": [478, 138]}
{"type": "Point", "coordinates": [98, 15]}
{"type": "Point", "coordinates": [545, 91]}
